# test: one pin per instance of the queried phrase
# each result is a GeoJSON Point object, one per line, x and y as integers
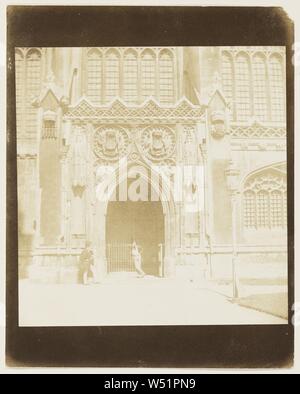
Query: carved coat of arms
{"type": "Point", "coordinates": [110, 143]}
{"type": "Point", "coordinates": [158, 143]}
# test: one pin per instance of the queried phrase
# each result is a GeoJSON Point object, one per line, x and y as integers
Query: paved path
{"type": "Point", "coordinates": [131, 302]}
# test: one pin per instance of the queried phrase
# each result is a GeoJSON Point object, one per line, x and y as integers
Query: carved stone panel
{"type": "Point", "coordinates": [189, 146]}
{"type": "Point", "coordinates": [157, 143]}
{"type": "Point", "coordinates": [111, 143]}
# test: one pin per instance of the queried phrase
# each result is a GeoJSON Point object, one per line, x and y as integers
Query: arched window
{"type": "Point", "coordinates": [112, 75]}
{"type": "Point", "coordinates": [265, 201]}
{"type": "Point", "coordinates": [276, 208]}
{"type": "Point", "coordinates": [256, 88]}
{"type": "Point", "coordinates": [130, 85]}
{"type": "Point", "coordinates": [262, 209]}
{"type": "Point", "coordinates": [148, 74]}
{"type": "Point", "coordinates": [166, 77]}
{"type": "Point", "coordinates": [94, 76]}
{"type": "Point", "coordinates": [20, 71]}
{"type": "Point", "coordinates": [227, 79]}
{"type": "Point", "coordinates": [285, 213]}
{"type": "Point", "coordinates": [243, 92]}
{"type": "Point", "coordinates": [33, 87]}
{"type": "Point", "coordinates": [260, 91]}
{"type": "Point", "coordinates": [249, 209]}
{"type": "Point", "coordinates": [277, 89]}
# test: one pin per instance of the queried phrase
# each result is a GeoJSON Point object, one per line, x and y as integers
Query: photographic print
{"type": "Point", "coordinates": [152, 186]}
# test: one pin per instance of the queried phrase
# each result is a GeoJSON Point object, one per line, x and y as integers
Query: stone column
{"type": "Point", "coordinates": [50, 180]}
{"type": "Point", "coordinates": [219, 156]}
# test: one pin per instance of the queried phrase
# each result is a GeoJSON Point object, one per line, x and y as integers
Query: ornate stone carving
{"type": "Point", "coordinates": [257, 131]}
{"type": "Point", "coordinates": [150, 110]}
{"type": "Point", "coordinates": [79, 158]}
{"type": "Point", "coordinates": [111, 143]}
{"type": "Point", "coordinates": [246, 146]}
{"type": "Point", "coordinates": [157, 143]}
{"type": "Point", "coordinates": [267, 182]}
{"type": "Point", "coordinates": [189, 145]}
{"type": "Point", "coordinates": [252, 51]}
{"type": "Point", "coordinates": [218, 124]}
{"type": "Point", "coordinates": [134, 156]}
{"type": "Point", "coordinates": [49, 116]}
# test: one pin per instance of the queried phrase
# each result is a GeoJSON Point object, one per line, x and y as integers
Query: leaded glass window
{"type": "Point", "coordinates": [260, 93]}
{"type": "Point", "coordinates": [277, 89]}
{"type": "Point", "coordinates": [112, 76]}
{"type": "Point", "coordinates": [243, 93]}
{"type": "Point", "coordinates": [166, 77]}
{"type": "Point", "coordinates": [148, 74]}
{"type": "Point", "coordinates": [94, 76]}
{"type": "Point", "coordinates": [130, 92]}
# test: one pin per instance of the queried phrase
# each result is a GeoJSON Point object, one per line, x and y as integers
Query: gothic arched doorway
{"type": "Point", "coordinates": [155, 223]}
{"type": "Point", "coordinates": [143, 222]}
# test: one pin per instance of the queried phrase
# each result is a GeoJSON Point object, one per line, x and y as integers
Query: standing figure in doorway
{"type": "Point", "coordinates": [137, 259]}
{"type": "Point", "coordinates": [86, 264]}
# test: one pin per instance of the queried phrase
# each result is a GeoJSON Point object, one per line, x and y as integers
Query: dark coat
{"type": "Point", "coordinates": [86, 259]}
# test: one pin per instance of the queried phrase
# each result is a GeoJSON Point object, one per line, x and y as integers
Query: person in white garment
{"type": "Point", "coordinates": [137, 260]}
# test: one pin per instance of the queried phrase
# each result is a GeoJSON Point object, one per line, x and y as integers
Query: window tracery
{"type": "Point", "coordinates": [265, 201]}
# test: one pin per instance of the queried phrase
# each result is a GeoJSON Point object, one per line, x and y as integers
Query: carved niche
{"type": "Point", "coordinates": [218, 124]}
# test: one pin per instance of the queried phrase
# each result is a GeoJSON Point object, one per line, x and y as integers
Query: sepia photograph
{"type": "Point", "coordinates": [152, 185]}
{"type": "Point", "coordinates": [150, 180]}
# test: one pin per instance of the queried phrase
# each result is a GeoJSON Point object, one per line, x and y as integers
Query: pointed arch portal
{"type": "Point", "coordinates": [152, 224]}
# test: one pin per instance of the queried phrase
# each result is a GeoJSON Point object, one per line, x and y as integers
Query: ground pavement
{"type": "Point", "coordinates": [132, 301]}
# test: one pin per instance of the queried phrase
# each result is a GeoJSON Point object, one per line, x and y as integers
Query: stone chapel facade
{"type": "Point", "coordinates": [221, 109]}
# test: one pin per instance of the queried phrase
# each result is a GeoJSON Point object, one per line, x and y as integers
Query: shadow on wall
{"type": "Point", "coordinates": [25, 248]}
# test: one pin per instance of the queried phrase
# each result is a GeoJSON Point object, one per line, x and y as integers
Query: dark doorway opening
{"type": "Point", "coordinates": [139, 221]}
